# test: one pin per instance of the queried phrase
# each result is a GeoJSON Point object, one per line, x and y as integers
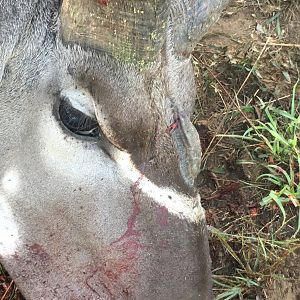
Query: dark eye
{"type": "Point", "coordinates": [76, 121]}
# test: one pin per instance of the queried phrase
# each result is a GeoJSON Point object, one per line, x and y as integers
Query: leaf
{"type": "Point", "coordinates": [229, 249]}
{"type": "Point", "coordinates": [277, 199]}
{"type": "Point", "coordinates": [230, 294]}
{"type": "Point", "coordinates": [275, 134]}
{"type": "Point", "coordinates": [281, 171]}
{"type": "Point", "coordinates": [298, 227]}
{"type": "Point", "coordinates": [274, 123]}
{"type": "Point", "coordinates": [270, 177]}
{"type": "Point", "coordinates": [287, 76]}
{"type": "Point", "coordinates": [287, 115]}
{"type": "Point", "coordinates": [294, 97]}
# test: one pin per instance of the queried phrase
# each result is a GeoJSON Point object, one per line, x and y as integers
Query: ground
{"type": "Point", "coordinates": [250, 56]}
{"type": "Point", "coordinates": [252, 53]}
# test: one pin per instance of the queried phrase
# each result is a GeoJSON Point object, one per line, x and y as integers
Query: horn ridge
{"type": "Point", "coordinates": [132, 31]}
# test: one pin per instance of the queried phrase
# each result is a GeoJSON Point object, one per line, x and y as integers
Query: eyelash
{"type": "Point", "coordinates": [76, 121]}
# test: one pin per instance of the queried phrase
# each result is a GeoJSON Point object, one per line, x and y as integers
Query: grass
{"type": "Point", "coordinates": [260, 252]}
{"type": "Point", "coordinates": [258, 255]}
{"type": "Point", "coordinates": [273, 142]}
{"type": "Point", "coordinates": [279, 138]}
{"type": "Point", "coordinates": [253, 120]}
{"type": "Point", "coordinates": [8, 289]}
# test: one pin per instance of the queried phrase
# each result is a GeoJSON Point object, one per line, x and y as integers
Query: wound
{"type": "Point", "coordinates": [103, 2]}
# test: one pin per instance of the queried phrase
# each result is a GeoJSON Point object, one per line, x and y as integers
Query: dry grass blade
{"type": "Point", "coordinates": [253, 67]}
{"type": "Point", "coordinates": [7, 290]}
{"type": "Point", "coordinates": [282, 45]}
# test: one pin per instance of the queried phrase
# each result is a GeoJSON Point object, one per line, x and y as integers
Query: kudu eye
{"type": "Point", "coordinates": [76, 120]}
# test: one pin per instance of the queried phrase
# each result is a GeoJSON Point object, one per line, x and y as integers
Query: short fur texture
{"type": "Point", "coordinates": [67, 201]}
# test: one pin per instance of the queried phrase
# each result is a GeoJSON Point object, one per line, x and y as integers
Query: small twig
{"type": "Point", "coordinates": [282, 45]}
{"type": "Point", "coordinates": [254, 66]}
{"type": "Point", "coordinates": [279, 99]}
{"type": "Point", "coordinates": [223, 190]}
{"type": "Point", "coordinates": [6, 292]}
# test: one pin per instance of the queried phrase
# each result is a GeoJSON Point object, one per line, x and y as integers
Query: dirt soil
{"type": "Point", "coordinates": [264, 34]}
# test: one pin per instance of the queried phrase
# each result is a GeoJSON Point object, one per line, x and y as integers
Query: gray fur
{"type": "Point", "coordinates": [116, 218]}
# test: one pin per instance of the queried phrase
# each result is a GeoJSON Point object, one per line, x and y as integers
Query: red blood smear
{"type": "Point", "coordinates": [136, 210]}
{"type": "Point", "coordinates": [103, 2]}
{"type": "Point", "coordinates": [126, 248]}
{"type": "Point", "coordinates": [162, 216]}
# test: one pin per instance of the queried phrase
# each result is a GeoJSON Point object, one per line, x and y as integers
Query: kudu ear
{"type": "Point", "coordinates": [190, 20]}
{"type": "Point", "coordinates": [132, 31]}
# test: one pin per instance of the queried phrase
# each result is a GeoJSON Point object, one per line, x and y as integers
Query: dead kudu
{"type": "Point", "coordinates": [98, 154]}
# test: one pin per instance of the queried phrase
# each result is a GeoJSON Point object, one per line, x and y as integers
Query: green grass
{"type": "Point", "coordinates": [258, 255]}
{"type": "Point", "coordinates": [259, 252]}
{"type": "Point", "coordinates": [248, 85]}
{"type": "Point", "coordinates": [273, 142]}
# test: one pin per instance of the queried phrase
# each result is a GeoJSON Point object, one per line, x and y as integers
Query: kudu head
{"type": "Point", "coordinates": [98, 154]}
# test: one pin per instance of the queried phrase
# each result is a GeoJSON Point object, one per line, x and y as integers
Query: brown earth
{"type": "Point", "coordinates": [264, 34]}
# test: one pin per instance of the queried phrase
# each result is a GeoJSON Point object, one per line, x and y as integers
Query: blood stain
{"type": "Point", "coordinates": [103, 2]}
{"type": "Point", "coordinates": [162, 214]}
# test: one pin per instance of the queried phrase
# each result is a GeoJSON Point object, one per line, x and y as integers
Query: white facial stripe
{"type": "Point", "coordinates": [176, 203]}
{"type": "Point", "coordinates": [80, 100]}
{"type": "Point", "coordinates": [9, 235]}
{"type": "Point", "coordinates": [11, 181]}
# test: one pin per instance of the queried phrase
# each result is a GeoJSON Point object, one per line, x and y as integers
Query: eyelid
{"type": "Point", "coordinates": [80, 100]}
